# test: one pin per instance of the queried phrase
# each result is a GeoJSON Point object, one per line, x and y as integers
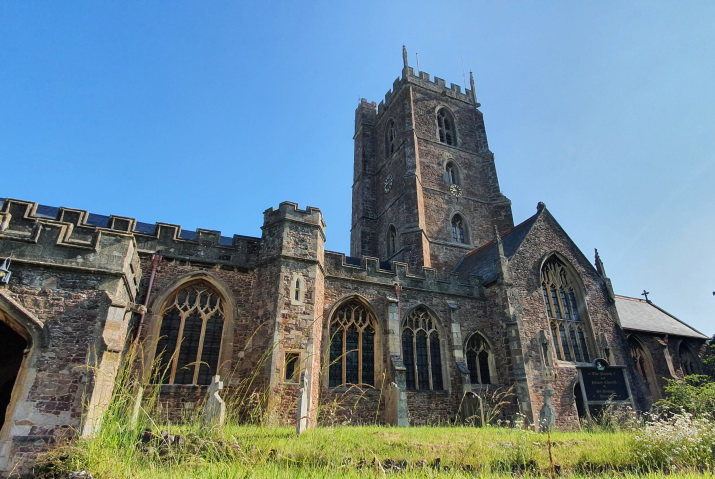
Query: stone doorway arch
{"type": "Point", "coordinates": [12, 355]}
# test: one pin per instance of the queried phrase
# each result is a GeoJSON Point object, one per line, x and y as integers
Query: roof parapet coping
{"type": "Point", "coordinates": [369, 268]}
{"type": "Point", "coordinates": [20, 218]}
{"type": "Point", "coordinates": [288, 210]}
{"type": "Point", "coordinates": [422, 79]}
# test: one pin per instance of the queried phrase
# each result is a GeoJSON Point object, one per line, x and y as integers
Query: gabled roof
{"type": "Point", "coordinates": [641, 315]}
{"type": "Point", "coordinates": [483, 260]}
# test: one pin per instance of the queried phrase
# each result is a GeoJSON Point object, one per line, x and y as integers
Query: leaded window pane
{"type": "Point", "coordinates": [422, 360]}
{"type": "Point", "coordinates": [368, 357]}
{"type": "Point", "coordinates": [562, 309]}
{"type": "Point", "coordinates": [186, 363]}
{"type": "Point", "coordinates": [352, 346]}
{"type": "Point", "coordinates": [408, 352]}
{"type": "Point", "coordinates": [336, 352]}
{"type": "Point", "coordinates": [436, 361]}
{"type": "Point", "coordinates": [211, 349]}
{"type": "Point", "coordinates": [484, 367]}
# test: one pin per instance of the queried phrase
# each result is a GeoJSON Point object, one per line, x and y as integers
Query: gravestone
{"type": "Point", "coordinates": [215, 408]}
{"type": "Point", "coordinates": [547, 416]}
{"type": "Point", "coordinates": [302, 419]}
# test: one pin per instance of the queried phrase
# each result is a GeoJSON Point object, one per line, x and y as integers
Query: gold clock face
{"type": "Point", "coordinates": [455, 190]}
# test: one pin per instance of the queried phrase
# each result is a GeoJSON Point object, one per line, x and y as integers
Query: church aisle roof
{"type": "Point", "coordinates": [641, 315]}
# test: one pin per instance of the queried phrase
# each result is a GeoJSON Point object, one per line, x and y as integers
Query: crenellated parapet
{"type": "Point", "coordinates": [368, 269]}
{"type": "Point", "coordinates": [66, 240]}
{"type": "Point", "coordinates": [291, 232]}
{"type": "Point", "coordinates": [24, 220]}
{"type": "Point", "coordinates": [424, 80]}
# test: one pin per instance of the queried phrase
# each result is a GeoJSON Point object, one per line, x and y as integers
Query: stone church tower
{"type": "Point", "coordinates": [425, 188]}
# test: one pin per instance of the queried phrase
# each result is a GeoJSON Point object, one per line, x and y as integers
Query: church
{"type": "Point", "coordinates": [443, 302]}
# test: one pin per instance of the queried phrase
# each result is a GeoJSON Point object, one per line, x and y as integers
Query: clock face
{"type": "Point", "coordinates": [455, 190]}
{"type": "Point", "coordinates": [388, 184]}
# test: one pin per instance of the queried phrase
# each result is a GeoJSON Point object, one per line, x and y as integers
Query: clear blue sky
{"type": "Point", "coordinates": [204, 114]}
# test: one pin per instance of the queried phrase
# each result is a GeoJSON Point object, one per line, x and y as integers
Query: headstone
{"type": "Point", "coordinates": [392, 398]}
{"type": "Point", "coordinates": [302, 419]}
{"type": "Point", "coordinates": [215, 409]}
{"type": "Point", "coordinates": [547, 416]}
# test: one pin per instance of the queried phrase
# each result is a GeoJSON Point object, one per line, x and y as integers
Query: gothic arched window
{"type": "Point", "coordinates": [450, 174]}
{"type": "Point", "coordinates": [478, 353]}
{"type": "Point", "coordinates": [391, 241]}
{"type": "Point", "coordinates": [459, 233]}
{"type": "Point", "coordinates": [352, 345]}
{"type": "Point", "coordinates": [189, 344]}
{"type": "Point", "coordinates": [390, 143]}
{"type": "Point", "coordinates": [421, 351]}
{"type": "Point", "coordinates": [445, 127]}
{"type": "Point", "coordinates": [568, 329]}
{"type": "Point", "coordinates": [639, 357]}
{"type": "Point", "coordinates": [689, 363]}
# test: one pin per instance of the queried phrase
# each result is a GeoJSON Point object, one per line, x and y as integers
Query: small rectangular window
{"type": "Point", "coordinates": [291, 370]}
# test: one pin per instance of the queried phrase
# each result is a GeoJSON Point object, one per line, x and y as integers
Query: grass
{"type": "Point", "coordinates": [349, 451]}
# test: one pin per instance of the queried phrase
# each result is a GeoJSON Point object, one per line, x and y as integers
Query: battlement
{"type": "Point", "coordinates": [289, 211]}
{"type": "Point", "coordinates": [338, 266]}
{"type": "Point", "coordinates": [422, 79]}
{"type": "Point", "coordinates": [66, 239]}
{"type": "Point", "coordinates": [79, 228]}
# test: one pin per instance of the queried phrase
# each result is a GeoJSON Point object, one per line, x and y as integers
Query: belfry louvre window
{"type": "Point", "coordinates": [391, 241]}
{"type": "Point", "coordinates": [450, 174]}
{"type": "Point", "coordinates": [421, 351]}
{"type": "Point", "coordinates": [445, 127]}
{"type": "Point", "coordinates": [352, 346]}
{"type": "Point", "coordinates": [568, 331]}
{"type": "Point", "coordinates": [458, 233]}
{"type": "Point", "coordinates": [189, 344]}
{"type": "Point", "coordinates": [478, 359]}
{"type": "Point", "coordinates": [390, 138]}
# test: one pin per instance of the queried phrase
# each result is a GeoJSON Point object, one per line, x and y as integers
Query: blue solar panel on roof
{"type": "Point", "coordinates": [98, 220]}
{"type": "Point", "coordinates": [145, 228]}
{"type": "Point", "coordinates": [46, 211]}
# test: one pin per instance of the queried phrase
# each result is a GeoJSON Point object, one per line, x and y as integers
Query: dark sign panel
{"type": "Point", "coordinates": [608, 384]}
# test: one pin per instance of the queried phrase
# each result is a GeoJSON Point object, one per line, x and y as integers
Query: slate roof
{"type": "Point", "coordinates": [641, 315]}
{"type": "Point", "coordinates": [483, 260]}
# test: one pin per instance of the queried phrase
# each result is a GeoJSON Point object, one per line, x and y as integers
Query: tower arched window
{"type": "Point", "coordinates": [390, 138]}
{"type": "Point", "coordinates": [445, 127]}
{"type": "Point", "coordinates": [478, 359]}
{"type": "Point", "coordinates": [451, 175]}
{"type": "Point", "coordinates": [459, 231]}
{"type": "Point", "coordinates": [189, 344]}
{"type": "Point", "coordinates": [352, 345]}
{"type": "Point", "coordinates": [689, 363]}
{"type": "Point", "coordinates": [568, 329]}
{"type": "Point", "coordinates": [391, 241]}
{"type": "Point", "coordinates": [421, 351]}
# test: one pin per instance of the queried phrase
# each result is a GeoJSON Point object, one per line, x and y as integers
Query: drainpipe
{"type": "Point", "coordinates": [155, 260]}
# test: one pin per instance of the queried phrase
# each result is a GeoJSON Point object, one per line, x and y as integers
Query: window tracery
{"type": "Point", "coordinates": [445, 127]}
{"type": "Point", "coordinates": [689, 363]}
{"type": "Point", "coordinates": [190, 336]}
{"type": "Point", "coordinates": [568, 331]}
{"type": "Point", "coordinates": [478, 353]}
{"type": "Point", "coordinates": [421, 351]}
{"type": "Point", "coordinates": [352, 345]}
{"type": "Point", "coordinates": [458, 230]}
